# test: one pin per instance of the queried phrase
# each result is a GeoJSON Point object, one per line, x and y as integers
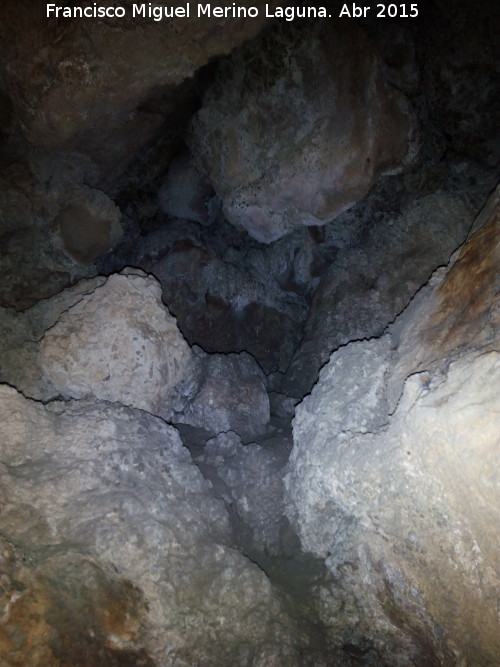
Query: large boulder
{"type": "Point", "coordinates": [72, 102]}
{"type": "Point", "coordinates": [51, 228]}
{"type": "Point", "coordinates": [87, 224]}
{"type": "Point", "coordinates": [114, 551]}
{"type": "Point", "coordinates": [393, 476]}
{"type": "Point", "coordinates": [71, 87]}
{"type": "Point", "coordinates": [288, 137]}
{"type": "Point", "coordinates": [116, 343]}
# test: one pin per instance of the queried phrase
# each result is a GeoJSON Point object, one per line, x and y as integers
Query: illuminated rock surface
{"type": "Point", "coordinates": [114, 550]}
{"type": "Point", "coordinates": [393, 478]}
{"type": "Point", "coordinates": [117, 343]}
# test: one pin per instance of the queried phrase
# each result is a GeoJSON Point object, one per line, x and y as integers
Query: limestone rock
{"type": "Point", "coordinates": [88, 225]}
{"type": "Point", "coordinates": [457, 310]}
{"type": "Point", "coordinates": [287, 139]}
{"type": "Point", "coordinates": [21, 332]}
{"type": "Point", "coordinates": [117, 343]}
{"type": "Point", "coordinates": [203, 290]}
{"type": "Point", "coordinates": [113, 548]}
{"type": "Point", "coordinates": [366, 286]}
{"type": "Point", "coordinates": [185, 193]}
{"type": "Point", "coordinates": [393, 478]}
{"type": "Point", "coordinates": [33, 265]}
{"type": "Point", "coordinates": [52, 227]}
{"type": "Point", "coordinates": [222, 393]}
{"type": "Point", "coordinates": [249, 478]}
{"type": "Point", "coordinates": [95, 91]}
{"type": "Point", "coordinates": [83, 87]}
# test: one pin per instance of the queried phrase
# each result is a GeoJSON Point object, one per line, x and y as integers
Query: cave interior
{"type": "Point", "coordinates": [250, 337]}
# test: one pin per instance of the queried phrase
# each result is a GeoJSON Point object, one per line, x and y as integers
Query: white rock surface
{"type": "Point", "coordinates": [393, 478]}
{"type": "Point", "coordinates": [116, 343]}
{"type": "Point", "coordinates": [95, 496]}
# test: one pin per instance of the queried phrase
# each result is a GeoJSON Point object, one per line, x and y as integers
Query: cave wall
{"type": "Point", "coordinates": [249, 337]}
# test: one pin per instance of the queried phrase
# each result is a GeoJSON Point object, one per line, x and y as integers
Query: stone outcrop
{"type": "Point", "coordinates": [116, 343]}
{"type": "Point", "coordinates": [114, 551]}
{"type": "Point", "coordinates": [79, 100]}
{"type": "Point", "coordinates": [283, 194]}
{"type": "Point", "coordinates": [249, 479]}
{"type": "Point", "coordinates": [70, 96]}
{"type": "Point", "coordinates": [221, 393]}
{"type": "Point", "coordinates": [393, 475]}
{"type": "Point", "coordinates": [211, 276]}
{"type": "Point", "coordinates": [42, 209]}
{"type": "Point", "coordinates": [286, 136]}
{"type": "Point", "coordinates": [88, 224]}
{"type": "Point", "coordinates": [366, 286]}
{"type": "Point", "coordinates": [21, 332]}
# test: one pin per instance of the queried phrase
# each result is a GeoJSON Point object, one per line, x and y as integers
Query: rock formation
{"type": "Point", "coordinates": [249, 339]}
{"type": "Point", "coordinates": [114, 549]}
{"type": "Point", "coordinates": [302, 142]}
{"type": "Point", "coordinates": [393, 475]}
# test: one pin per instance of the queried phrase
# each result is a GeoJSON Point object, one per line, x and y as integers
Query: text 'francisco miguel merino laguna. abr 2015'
{"type": "Point", "coordinates": [205, 10]}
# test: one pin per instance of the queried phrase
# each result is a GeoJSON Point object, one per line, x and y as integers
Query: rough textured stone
{"type": "Point", "coordinates": [366, 286]}
{"type": "Point", "coordinates": [185, 193]}
{"type": "Point", "coordinates": [21, 332]}
{"type": "Point", "coordinates": [33, 265]}
{"type": "Point", "coordinates": [458, 310]}
{"type": "Point", "coordinates": [222, 393]}
{"type": "Point", "coordinates": [285, 136]}
{"type": "Point", "coordinates": [52, 227]}
{"type": "Point", "coordinates": [70, 102]}
{"type": "Point", "coordinates": [118, 343]}
{"type": "Point", "coordinates": [88, 225]}
{"type": "Point", "coordinates": [393, 476]}
{"type": "Point", "coordinates": [69, 95]}
{"type": "Point", "coordinates": [115, 552]}
{"type": "Point", "coordinates": [249, 479]}
{"type": "Point", "coordinates": [204, 291]}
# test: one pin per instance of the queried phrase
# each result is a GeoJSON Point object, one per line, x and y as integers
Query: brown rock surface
{"type": "Point", "coordinates": [88, 225]}
{"type": "Point", "coordinates": [79, 99]}
{"type": "Point", "coordinates": [460, 310]}
{"type": "Point", "coordinates": [72, 80]}
{"type": "Point", "coordinates": [365, 287]}
{"type": "Point", "coordinates": [287, 137]}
